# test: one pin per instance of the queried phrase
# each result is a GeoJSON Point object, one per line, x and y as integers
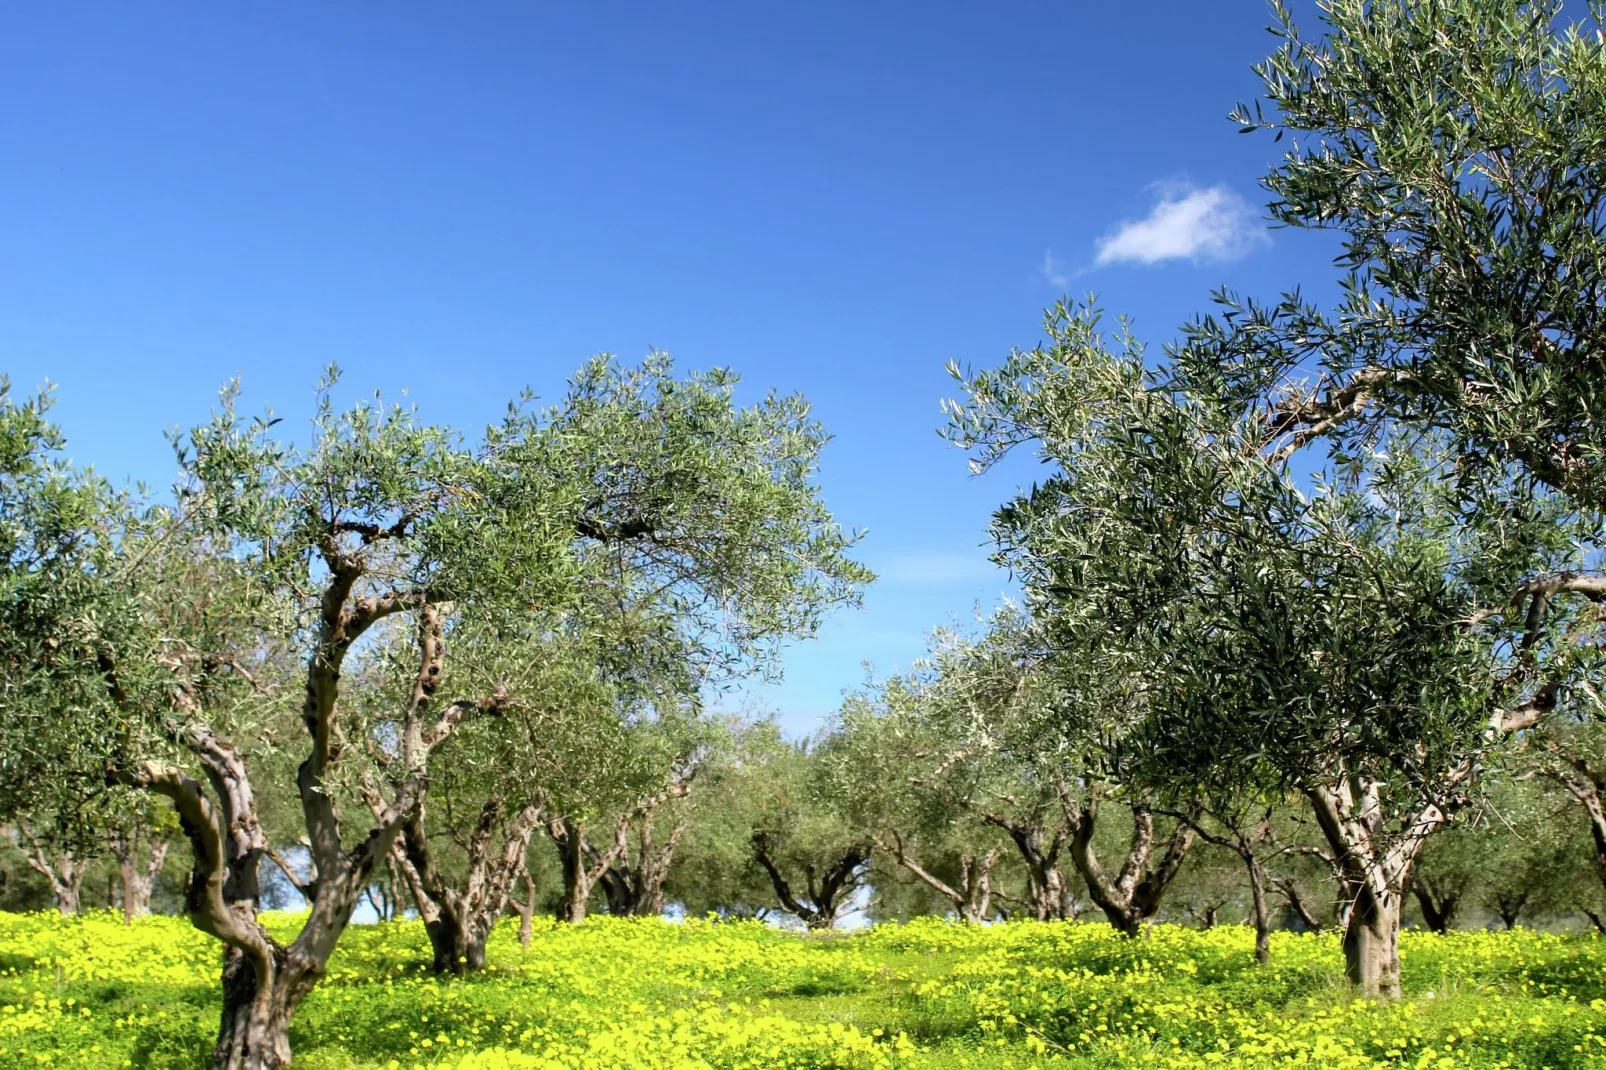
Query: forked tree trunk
{"type": "Point", "coordinates": [634, 883]}
{"type": "Point", "coordinates": [827, 890]}
{"type": "Point", "coordinates": [138, 878]}
{"type": "Point", "coordinates": [1049, 899]}
{"type": "Point", "coordinates": [254, 1033]}
{"type": "Point", "coordinates": [972, 899]}
{"type": "Point", "coordinates": [459, 919]}
{"type": "Point", "coordinates": [65, 872]}
{"type": "Point", "coordinates": [1134, 894]}
{"type": "Point", "coordinates": [1509, 907]}
{"type": "Point", "coordinates": [525, 910]}
{"type": "Point", "coordinates": [574, 854]}
{"type": "Point", "coordinates": [1438, 905]}
{"type": "Point", "coordinates": [264, 981]}
{"type": "Point", "coordinates": [1375, 865]}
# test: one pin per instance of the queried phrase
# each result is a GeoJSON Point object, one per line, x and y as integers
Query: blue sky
{"type": "Point", "coordinates": [462, 200]}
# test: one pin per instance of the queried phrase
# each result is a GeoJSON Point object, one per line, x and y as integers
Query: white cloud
{"type": "Point", "coordinates": [1054, 272]}
{"type": "Point", "coordinates": [1187, 223]}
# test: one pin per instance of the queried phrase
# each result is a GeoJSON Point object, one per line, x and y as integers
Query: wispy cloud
{"type": "Point", "coordinates": [1054, 272]}
{"type": "Point", "coordinates": [938, 568]}
{"type": "Point", "coordinates": [1186, 223]}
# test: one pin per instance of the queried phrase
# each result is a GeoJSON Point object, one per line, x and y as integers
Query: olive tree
{"type": "Point", "coordinates": [1338, 641]}
{"type": "Point", "coordinates": [914, 781]}
{"type": "Point", "coordinates": [380, 528]}
{"type": "Point", "coordinates": [1456, 148]}
{"type": "Point", "coordinates": [705, 544]}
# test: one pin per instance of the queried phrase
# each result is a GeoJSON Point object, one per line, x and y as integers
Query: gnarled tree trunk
{"type": "Point", "coordinates": [1050, 899]}
{"type": "Point", "coordinates": [64, 871]}
{"type": "Point", "coordinates": [1375, 862]}
{"type": "Point", "coordinates": [634, 882]}
{"type": "Point", "coordinates": [583, 865]}
{"type": "Point", "coordinates": [828, 890]}
{"type": "Point", "coordinates": [972, 899]}
{"type": "Point", "coordinates": [1133, 896]}
{"type": "Point", "coordinates": [263, 981]}
{"type": "Point", "coordinates": [1509, 907]}
{"type": "Point", "coordinates": [459, 920]}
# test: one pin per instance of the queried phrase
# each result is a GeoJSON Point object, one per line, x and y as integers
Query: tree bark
{"type": "Point", "coordinates": [1509, 907]}
{"type": "Point", "coordinates": [264, 981]}
{"type": "Point", "coordinates": [1372, 944]}
{"type": "Point", "coordinates": [459, 920]}
{"type": "Point", "coordinates": [526, 910]}
{"type": "Point", "coordinates": [65, 872]}
{"type": "Point", "coordinates": [1438, 905]}
{"type": "Point", "coordinates": [138, 879]}
{"type": "Point", "coordinates": [1133, 896]}
{"type": "Point", "coordinates": [827, 890]}
{"type": "Point", "coordinates": [1375, 863]}
{"type": "Point", "coordinates": [634, 882]}
{"type": "Point", "coordinates": [568, 835]}
{"type": "Point", "coordinates": [973, 898]}
{"type": "Point", "coordinates": [1045, 885]}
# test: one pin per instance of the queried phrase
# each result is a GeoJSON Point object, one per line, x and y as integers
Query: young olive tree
{"type": "Point", "coordinates": [1339, 642]}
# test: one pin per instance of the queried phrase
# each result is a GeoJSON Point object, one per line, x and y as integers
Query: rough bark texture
{"type": "Point", "coordinates": [1049, 897]}
{"type": "Point", "coordinates": [1372, 944]}
{"type": "Point", "coordinates": [264, 981]}
{"type": "Point", "coordinates": [1133, 895]}
{"type": "Point", "coordinates": [1375, 862]}
{"type": "Point", "coordinates": [634, 882]}
{"type": "Point", "coordinates": [1587, 785]}
{"type": "Point", "coordinates": [972, 897]}
{"type": "Point", "coordinates": [459, 919]}
{"type": "Point", "coordinates": [137, 877]}
{"type": "Point", "coordinates": [583, 865]}
{"type": "Point", "coordinates": [827, 890]}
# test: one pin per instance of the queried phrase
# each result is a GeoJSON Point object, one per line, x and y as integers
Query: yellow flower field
{"type": "Point", "coordinates": [633, 993]}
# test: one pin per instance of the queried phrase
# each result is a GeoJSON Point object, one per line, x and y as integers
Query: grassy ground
{"type": "Point", "coordinates": [91, 992]}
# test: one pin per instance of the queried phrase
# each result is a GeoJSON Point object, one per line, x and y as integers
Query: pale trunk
{"type": "Point", "coordinates": [1376, 868]}
{"type": "Point", "coordinates": [1372, 945]}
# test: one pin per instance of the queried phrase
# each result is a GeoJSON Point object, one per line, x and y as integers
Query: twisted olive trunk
{"type": "Point", "coordinates": [1376, 869]}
